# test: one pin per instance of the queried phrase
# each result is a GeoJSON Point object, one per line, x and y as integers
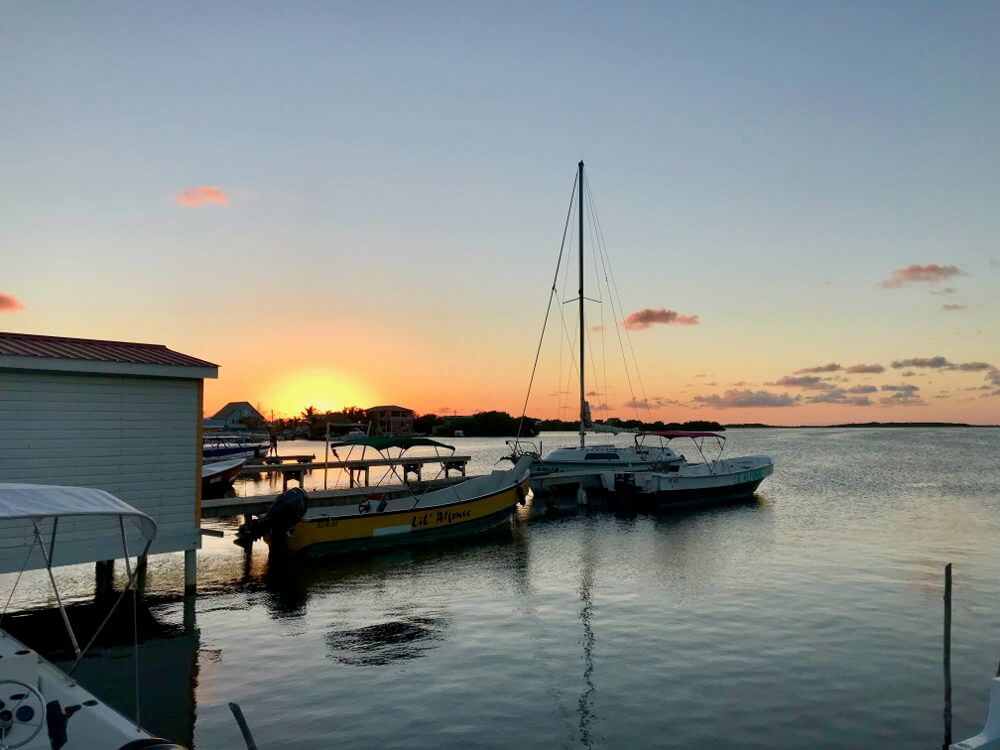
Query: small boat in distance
{"type": "Point", "coordinates": [226, 447]}
{"type": "Point", "coordinates": [43, 707]}
{"type": "Point", "coordinates": [218, 476]}
{"type": "Point", "coordinates": [470, 507]}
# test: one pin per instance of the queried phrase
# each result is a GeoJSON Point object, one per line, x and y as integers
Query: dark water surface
{"type": "Point", "coordinates": [808, 619]}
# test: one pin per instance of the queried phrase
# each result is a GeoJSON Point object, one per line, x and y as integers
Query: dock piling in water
{"type": "Point", "coordinates": [947, 657]}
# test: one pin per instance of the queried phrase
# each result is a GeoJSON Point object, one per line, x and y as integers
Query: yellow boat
{"type": "Point", "coordinates": [470, 507]}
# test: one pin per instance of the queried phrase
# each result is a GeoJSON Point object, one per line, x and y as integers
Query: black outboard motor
{"type": "Point", "coordinates": [286, 511]}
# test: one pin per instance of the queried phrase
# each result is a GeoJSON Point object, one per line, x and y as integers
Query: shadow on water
{"type": "Point", "coordinates": [168, 659]}
{"type": "Point", "coordinates": [410, 636]}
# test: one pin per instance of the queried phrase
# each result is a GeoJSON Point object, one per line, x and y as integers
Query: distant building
{"type": "Point", "coordinates": [237, 415]}
{"type": "Point", "coordinates": [390, 420]}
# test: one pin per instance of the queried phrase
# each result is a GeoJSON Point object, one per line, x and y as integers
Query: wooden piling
{"type": "Point", "coordinates": [947, 657]}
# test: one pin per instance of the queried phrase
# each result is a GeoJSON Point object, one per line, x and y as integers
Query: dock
{"type": "Point", "coordinates": [255, 505]}
{"type": "Point", "coordinates": [358, 470]}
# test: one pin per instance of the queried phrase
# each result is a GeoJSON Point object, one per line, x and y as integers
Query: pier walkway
{"type": "Point", "coordinates": [358, 470]}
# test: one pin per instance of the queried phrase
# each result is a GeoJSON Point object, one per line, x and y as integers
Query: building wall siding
{"type": "Point", "coordinates": [135, 437]}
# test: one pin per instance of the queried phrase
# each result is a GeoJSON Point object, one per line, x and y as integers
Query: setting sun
{"type": "Point", "coordinates": [327, 390]}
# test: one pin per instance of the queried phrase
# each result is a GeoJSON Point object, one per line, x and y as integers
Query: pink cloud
{"type": "Point", "coordinates": [648, 316]}
{"type": "Point", "coordinates": [914, 273]}
{"type": "Point", "coordinates": [597, 329]}
{"type": "Point", "coordinates": [9, 303]}
{"type": "Point", "coordinates": [865, 369]}
{"type": "Point", "coordinates": [196, 197]}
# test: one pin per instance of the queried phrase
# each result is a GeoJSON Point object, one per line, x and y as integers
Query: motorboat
{"type": "Point", "coordinates": [666, 477]}
{"type": "Point", "coordinates": [218, 476]}
{"type": "Point", "coordinates": [469, 507]}
{"type": "Point", "coordinates": [227, 447]}
{"type": "Point", "coordinates": [42, 707]}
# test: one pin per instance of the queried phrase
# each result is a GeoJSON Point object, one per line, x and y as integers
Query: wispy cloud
{"type": "Point", "coordinates": [902, 398]}
{"type": "Point", "coordinates": [952, 308]}
{"type": "Point", "coordinates": [862, 389]}
{"type": "Point", "coordinates": [934, 363]}
{"type": "Point", "coordinates": [832, 367]}
{"type": "Point", "coordinates": [942, 363]}
{"type": "Point", "coordinates": [916, 274]}
{"type": "Point", "coordinates": [204, 195]}
{"type": "Point", "coordinates": [839, 396]}
{"type": "Point", "coordinates": [907, 388]}
{"type": "Point", "coordinates": [646, 317]}
{"type": "Point", "coordinates": [656, 402]}
{"type": "Point", "coordinates": [808, 382]}
{"type": "Point", "coordinates": [944, 291]}
{"type": "Point", "coordinates": [741, 399]}
{"type": "Point", "coordinates": [597, 329]}
{"type": "Point", "coordinates": [865, 369]}
{"type": "Point", "coordinates": [9, 303]}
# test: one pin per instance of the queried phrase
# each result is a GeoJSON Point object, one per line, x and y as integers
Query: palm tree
{"type": "Point", "coordinates": [308, 413]}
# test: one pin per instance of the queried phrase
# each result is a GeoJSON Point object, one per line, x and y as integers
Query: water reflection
{"type": "Point", "coordinates": [406, 636]}
{"type": "Point", "coordinates": [168, 660]}
{"type": "Point", "coordinates": [588, 563]}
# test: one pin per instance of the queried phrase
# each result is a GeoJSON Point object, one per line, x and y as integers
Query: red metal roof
{"type": "Point", "coordinates": [60, 347]}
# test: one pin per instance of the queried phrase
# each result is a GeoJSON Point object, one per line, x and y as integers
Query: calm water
{"type": "Point", "coordinates": [809, 619]}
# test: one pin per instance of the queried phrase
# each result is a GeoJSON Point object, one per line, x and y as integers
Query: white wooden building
{"type": "Point", "coordinates": [118, 416]}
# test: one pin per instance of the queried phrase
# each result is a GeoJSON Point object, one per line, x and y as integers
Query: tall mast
{"type": "Point", "coordinates": [583, 403]}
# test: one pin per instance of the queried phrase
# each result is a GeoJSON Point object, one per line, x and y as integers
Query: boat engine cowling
{"type": "Point", "coordinates": [287, 510]}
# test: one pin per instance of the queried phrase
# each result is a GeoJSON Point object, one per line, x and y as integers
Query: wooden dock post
{"type": "Point", "coordinates": [104, 579]}
{"type": "Point", "coordinates": [947, 657]}
{"type": "Point", "coordinates": [141, 566]}
{"type": "Point", "coordinates": [190, 571]}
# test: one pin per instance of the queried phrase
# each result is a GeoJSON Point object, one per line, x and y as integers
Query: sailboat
{"type": "Point", "coordinates": [648, 472]}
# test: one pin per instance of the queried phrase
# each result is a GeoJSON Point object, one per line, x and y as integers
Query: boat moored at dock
{"type": "Point", "coordinates": [476, 505]}
{"type": "Point", "coordinates": [41, 707]}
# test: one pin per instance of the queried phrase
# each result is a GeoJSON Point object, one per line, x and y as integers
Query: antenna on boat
{"type": "Point", "coordinates": [583, 403]}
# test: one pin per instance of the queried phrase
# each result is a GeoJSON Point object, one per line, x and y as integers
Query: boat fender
{"type": "Point", "coordinates": [56, 720]}
{"type": "Point", "coordinates": [364, 507]}
{"type": "Point", "coordinates": [522, 497]}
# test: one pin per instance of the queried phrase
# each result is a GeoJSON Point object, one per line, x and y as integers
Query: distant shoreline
{"type": "Point", "coordinates": [856, 424]}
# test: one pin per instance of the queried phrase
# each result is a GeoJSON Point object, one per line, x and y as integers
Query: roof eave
{"type": "Point", "coordinates": [95, 367]}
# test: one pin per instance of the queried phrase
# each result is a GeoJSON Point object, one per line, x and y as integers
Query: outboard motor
{"type": "Point", "coordinates": [287, 510]}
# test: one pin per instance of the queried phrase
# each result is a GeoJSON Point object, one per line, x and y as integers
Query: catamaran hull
{"type": "Point", "coordinates": [378, 531]}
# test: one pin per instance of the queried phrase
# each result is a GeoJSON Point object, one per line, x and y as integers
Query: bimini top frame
{"type": "Point", "coordinates": [37, 503]}
{"type": "Point", "coordinates": [698, 438]}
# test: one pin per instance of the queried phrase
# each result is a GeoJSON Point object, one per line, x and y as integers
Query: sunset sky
{"type": "Point", "coordinates": [352, 204]}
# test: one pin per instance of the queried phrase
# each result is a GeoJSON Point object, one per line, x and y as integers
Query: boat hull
{"type": "Point", "coordinates": [373, 531]}
{"type": "Point", "coordinates": [216, 479]}
{"type": "Point", "coordinates": [660, 491]}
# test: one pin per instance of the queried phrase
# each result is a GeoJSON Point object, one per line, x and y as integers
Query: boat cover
{"type": "Point", "coordinates": [382, 443]}
{"type": "Point", "coordinates": [38, 501]}
{"type": "Point", "coordinates": [670, 434]}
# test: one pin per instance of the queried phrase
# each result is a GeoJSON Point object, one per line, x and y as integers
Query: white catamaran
{"type": "Point", "coordinates": [650, 473]}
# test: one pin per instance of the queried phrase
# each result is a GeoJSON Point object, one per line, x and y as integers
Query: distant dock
{"type": "Point", "coordinates": [358, 470]}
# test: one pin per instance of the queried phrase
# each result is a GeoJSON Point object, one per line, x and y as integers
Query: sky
{"type": "Point", "coordinates": [353, 204]}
